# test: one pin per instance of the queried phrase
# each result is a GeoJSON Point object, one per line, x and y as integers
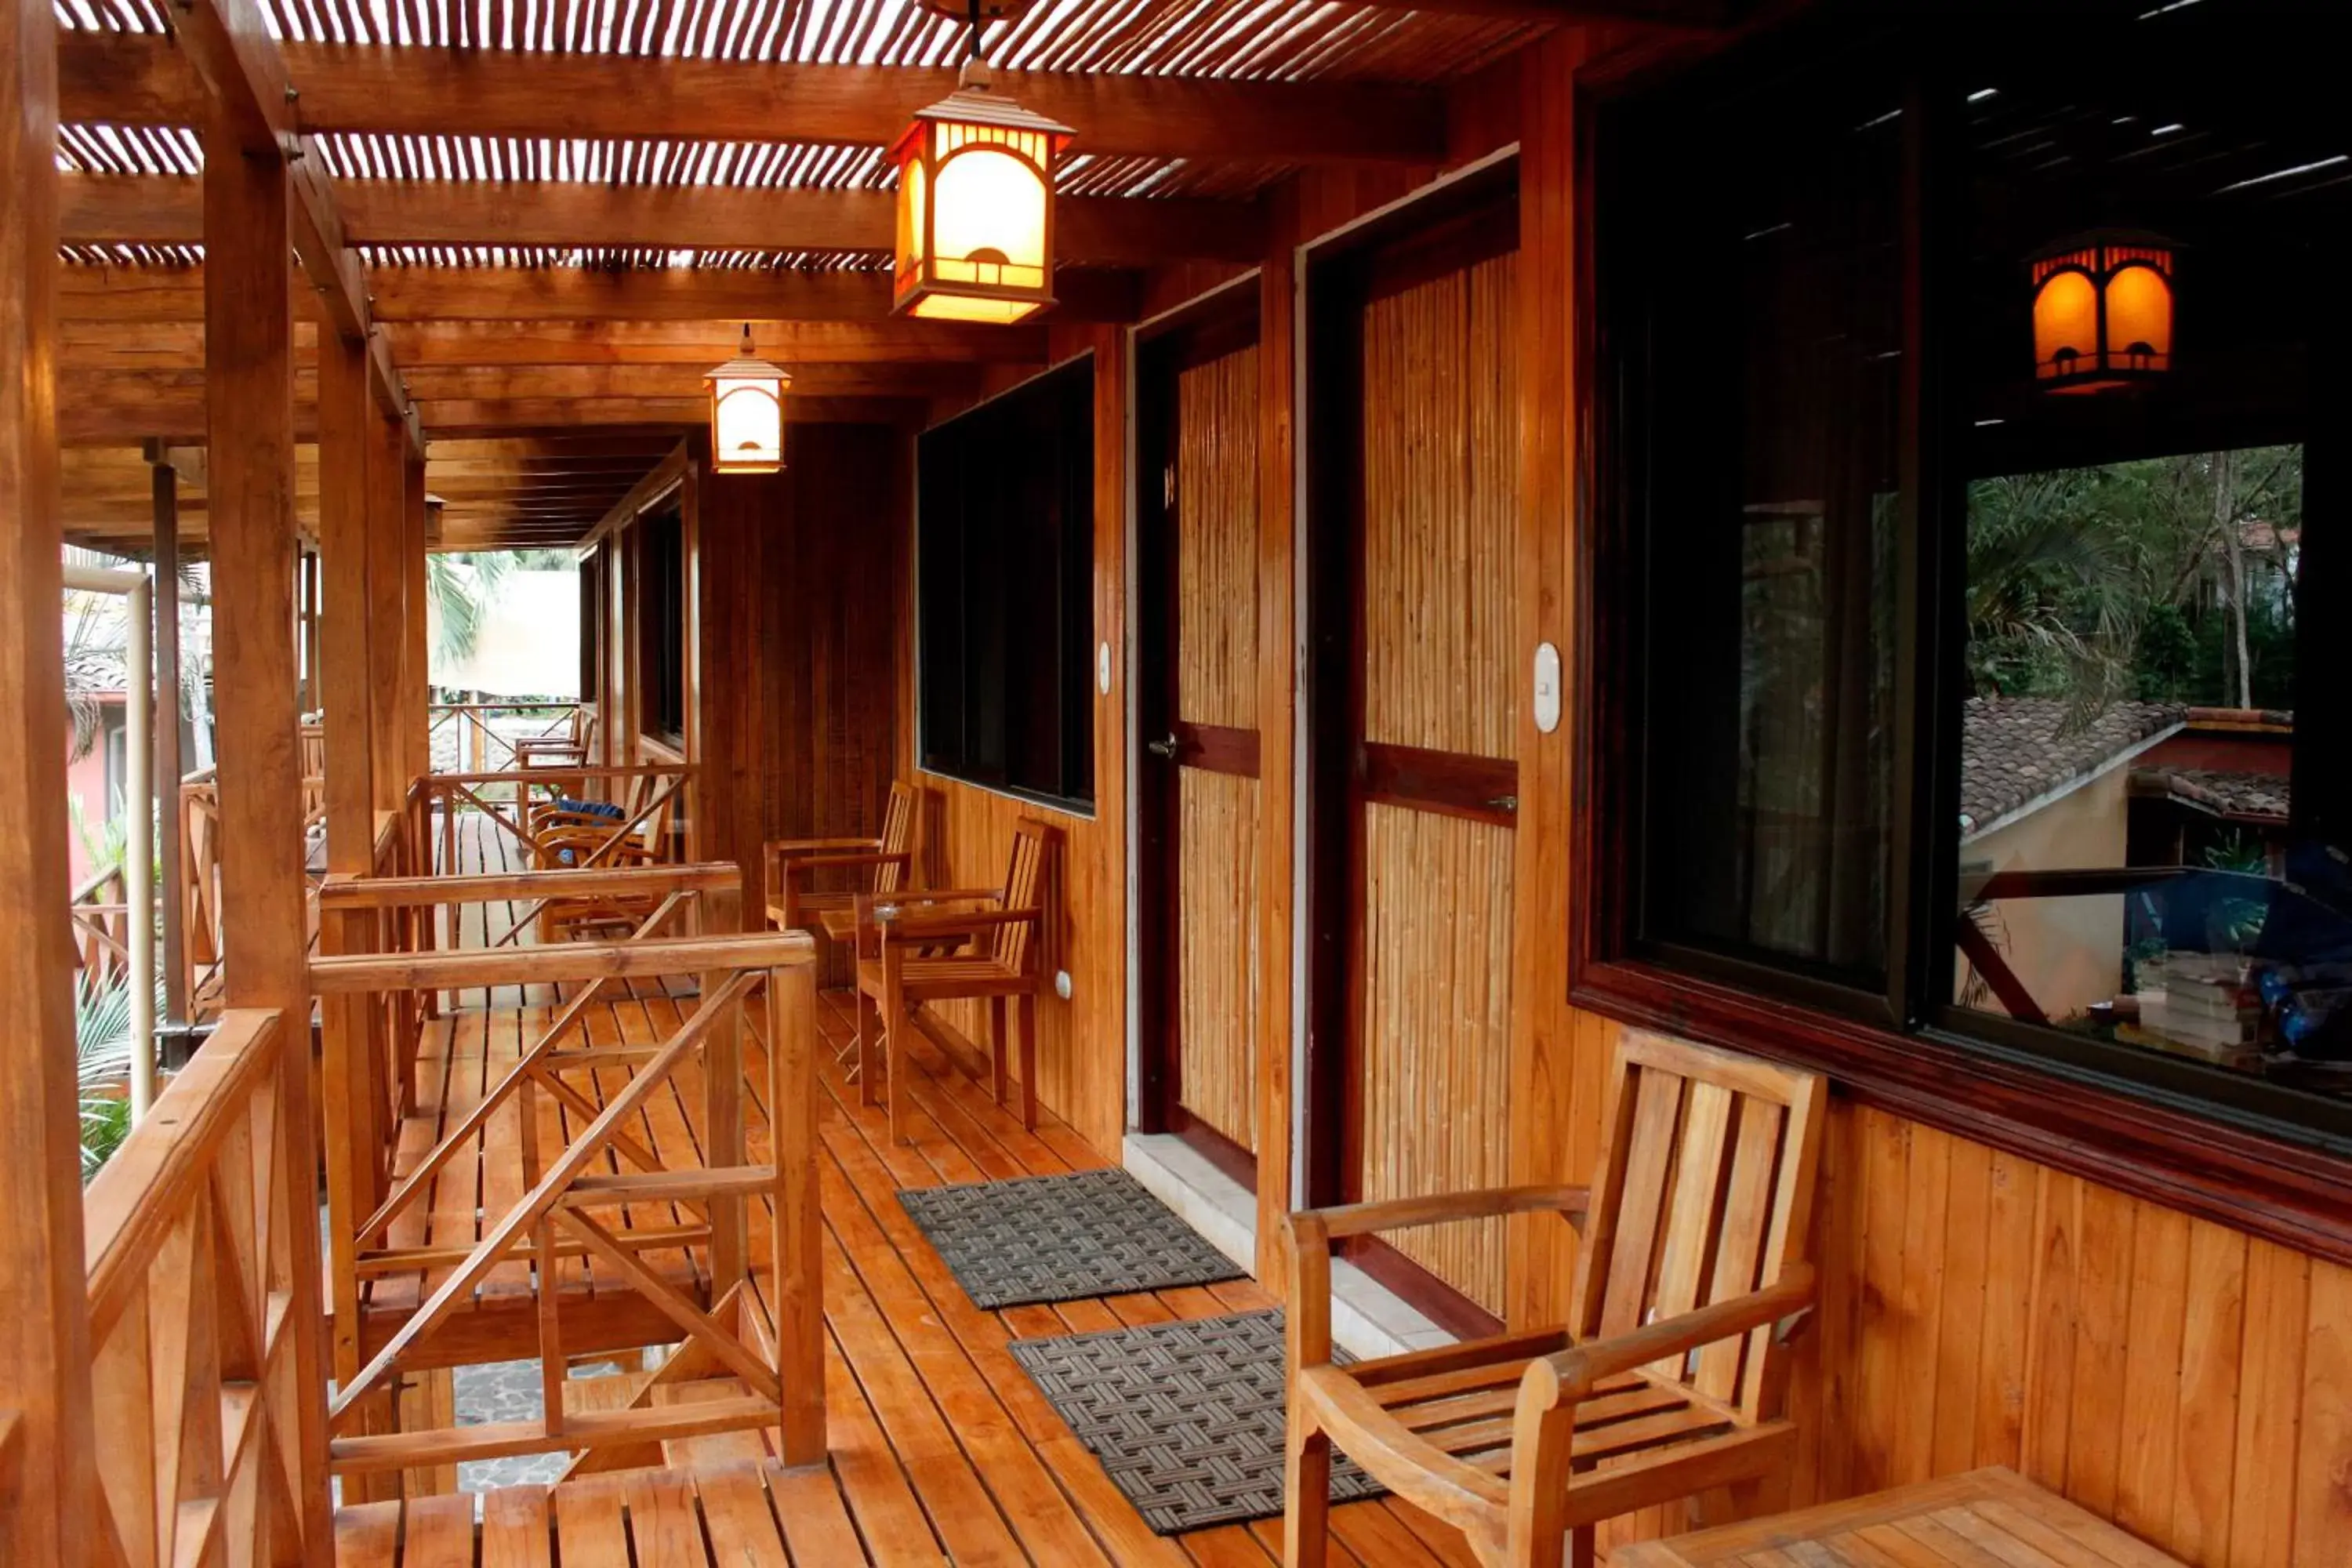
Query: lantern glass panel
{"type": "Point", "coordinates": [747, 425]}
{"type": "Point", "coordinates": [987, 221]}
{"type": "Point", "coordinates": [914, 186]}
{"type": "Point", "coordinates": [2139, 319]}
{"type": "Point", "coordinates": [2066, 325]}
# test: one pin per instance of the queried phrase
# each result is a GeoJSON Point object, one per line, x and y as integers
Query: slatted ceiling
{"type": "Point", "coordinates": [1262, 39]}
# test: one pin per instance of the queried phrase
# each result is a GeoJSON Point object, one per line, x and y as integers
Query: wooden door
{"type": "Point", "coordinates": [1198, 711]}
{"type": "Point", "coordinates": [1414, 511]}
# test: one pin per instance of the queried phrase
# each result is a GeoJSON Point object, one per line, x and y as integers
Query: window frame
{"type": "Point", "coordinates": [1075, 709]}
{"type": "Point", "coordinates": [2166, 1130]}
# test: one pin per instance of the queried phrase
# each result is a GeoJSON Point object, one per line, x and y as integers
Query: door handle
{"type": "Point", "coordinates": [1167, 748]}
{"type": "Point", "coordinates": [1509, 803]}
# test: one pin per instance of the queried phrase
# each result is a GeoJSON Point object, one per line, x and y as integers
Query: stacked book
{"type": "Point", "coordinates": [2204, 1006]}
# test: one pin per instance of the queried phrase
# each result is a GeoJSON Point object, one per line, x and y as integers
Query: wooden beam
{"type": "Point", "coordinates": [404, 294]}
{"type": "Point", "coordinates": [90, 345]}
{"type": "Point", "coordinates": [228, 44]}
{"type": "Point", "coordinates": [49, 1490]}
{"type": "Point", "coordinates": [127, 79]}
{"type": "Point", "coordinates": [166, 209]}
{"type": "Point", "coordinates": [462, 416]}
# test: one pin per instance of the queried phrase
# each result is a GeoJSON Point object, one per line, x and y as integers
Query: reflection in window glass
{"type": "Point", "coordinates": [2133, 862]}
{"type": "Point", "coordinates": [1765, 275]}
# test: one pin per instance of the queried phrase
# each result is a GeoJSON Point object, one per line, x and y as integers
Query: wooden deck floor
{"type": "Point", "coordinates": [942, 1449]}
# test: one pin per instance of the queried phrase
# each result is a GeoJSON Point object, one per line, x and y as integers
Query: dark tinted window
{"type": "Point", "coordinates": [1004, 575]}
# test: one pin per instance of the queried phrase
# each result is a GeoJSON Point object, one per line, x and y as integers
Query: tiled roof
{"type": "Point", "coordinates": [2013, 749]}
{"type": "Point", "coordinates": [2261, 795]}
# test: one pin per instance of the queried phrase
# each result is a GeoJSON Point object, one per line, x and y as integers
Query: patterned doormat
{"type": "Point", "coordinates": [1060, 1238]}
{"type": "Point", "coordinates": [1186, 1418]}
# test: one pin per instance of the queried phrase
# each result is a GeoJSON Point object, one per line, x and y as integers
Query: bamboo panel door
{"type": "Point", "coordinates": [1412, 507]}
{"type": "Point", "coordinates": [1198, 783]}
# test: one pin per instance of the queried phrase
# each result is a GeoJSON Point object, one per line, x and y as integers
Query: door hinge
{"type": "Point", "coordinates": [1168, 486]}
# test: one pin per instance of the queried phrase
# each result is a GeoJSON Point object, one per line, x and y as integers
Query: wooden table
{"type": "Point", "coordinates": [1984, 1519]}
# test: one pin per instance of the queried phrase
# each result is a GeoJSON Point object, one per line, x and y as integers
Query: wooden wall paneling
{"type": "Point", "coordinates": [727, 528]}
{"type": "Point", "coordinates": [47, 1479]}
{"type": "Point", "coordinates": [1081, 1043]}
{"type": "Point", "coordinates": [249, 495]}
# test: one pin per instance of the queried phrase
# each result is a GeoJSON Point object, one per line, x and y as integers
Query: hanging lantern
{"type": "Point", "coordinates": [746, 412]}
{"type": "Point", "coordinates": [975, 236]}
{"type": "Point", "coordinates": [2102, 312]}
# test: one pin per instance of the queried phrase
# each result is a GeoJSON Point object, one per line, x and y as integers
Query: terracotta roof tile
{"type": "Point", "coordinates": [2262, 795]}
{"type": "Point", "coordinates": [2013, 749]}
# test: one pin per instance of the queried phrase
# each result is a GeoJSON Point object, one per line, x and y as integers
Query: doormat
{"type": "Point", "coordinates": [1060, 1238]}
{"type": "Point", "coordinates": [1186, 1417]}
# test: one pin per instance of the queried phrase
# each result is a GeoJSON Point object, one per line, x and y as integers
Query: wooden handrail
{"type": "Point", "coordinates": [560, 774]}
{"type": "Point", "coordinates": [139, 1193]}
{"type": "Point", "coordinates": [475, 968]}
{"type": "Point", "coordinates": [343, 891]}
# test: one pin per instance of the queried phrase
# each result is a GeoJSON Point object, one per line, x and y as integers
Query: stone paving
{"type": "Point", "coordinates": [509, 1391]}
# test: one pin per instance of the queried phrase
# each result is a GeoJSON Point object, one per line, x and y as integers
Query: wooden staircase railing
{"type": "Point", "coordinates": [203, 1317]}
{"type": "Point", "coordinates": [102, 924]}
{"type": "Point", "coordinates": [367, 1086]}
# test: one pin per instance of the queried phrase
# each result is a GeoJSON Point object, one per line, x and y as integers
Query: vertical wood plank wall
{"type": "Point", "coordinates": [1440, 498]}
{"type": "Point", "coordinates": [1081, 1043]}
{"type": "Point", "coordinates": [1217, 683]}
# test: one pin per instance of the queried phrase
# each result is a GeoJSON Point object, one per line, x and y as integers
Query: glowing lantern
{"type": "Point", "coordinates": [746, 412]}
{"type": "Point", "coordinates": [2102, 312]}
{"type": "Point", "coordinates": [976, 207]}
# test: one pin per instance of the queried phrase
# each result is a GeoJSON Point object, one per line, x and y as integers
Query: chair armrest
{"type": "Point", "coordinates": [819, 862]}
{"type": "Point", "coordinates": [942, 895]}
{"type": "Point", "coordinates": [783, 847]}
{"type": "Point", "coordinates": [1396, 1213]}
{"type": "Point", "coordinates": [1567, 1376]}
{"type": "Point", "coordinates": [925, 929]}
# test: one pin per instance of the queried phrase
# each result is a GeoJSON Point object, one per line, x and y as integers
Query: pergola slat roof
{"type": "Point", "coordinates": [553, 214]}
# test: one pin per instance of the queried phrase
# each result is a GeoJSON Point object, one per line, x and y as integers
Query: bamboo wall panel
{"type": "Point", "coordinates": [1435, 1030]}
{"type": "Point", "coordinates": [1441, 513]}
{"type": "Point", "coordinates": [1217, 881]}
{"type": "Point", "coordinates": [1216, 551]}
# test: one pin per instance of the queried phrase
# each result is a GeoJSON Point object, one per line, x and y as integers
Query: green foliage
{"type": "Point", "coordinates": [462, 589]}
{"type": "Point", "coordinates": [2101, 584]}
{"type": "Point", "coordinates": [102, 1048]}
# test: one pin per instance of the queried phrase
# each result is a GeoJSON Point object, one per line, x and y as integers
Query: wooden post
{"type": "Point", "coordinates": [797, 1260]}
{"type": "Point", "coordinates": [48, 1459]}
{"type": "Point", "coordinates": [249, 495]}
{"type": "Point", "coordinates": [387, 693]}
{"type": "Point", "coordinates": [416, 669]}
{"type": "Point", "coordinates": [165, 481]}
{"type": "Point", "coordinates": [347, 485]}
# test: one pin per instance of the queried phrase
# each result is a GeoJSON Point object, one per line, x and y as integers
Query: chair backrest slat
{"type": "Point", "coordinates": [1024, 889]}
{"type": "Point", "coordinates": [897, 835]}
{"type": "Point", "coordinates": [1702, 1196]}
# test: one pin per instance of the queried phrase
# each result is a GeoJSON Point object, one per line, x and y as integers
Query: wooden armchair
{"type": "Point", "coordinates": [1667, 1381]}
{"type": "Point", "coordinates": [914, 948]}
{"type": "Point", "coordinates": [794, 902]}
{"type": "Point", "coordinates": [571, 840]}
{"type": "Point", "coordinates": [568, 749]}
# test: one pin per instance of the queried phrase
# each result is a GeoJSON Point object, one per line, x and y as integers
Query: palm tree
{"type": "Point", "coordinates": [461, 589]}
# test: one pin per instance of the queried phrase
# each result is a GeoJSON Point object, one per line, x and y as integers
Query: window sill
{"type": "Point", "coordinates": [2267, 1186]}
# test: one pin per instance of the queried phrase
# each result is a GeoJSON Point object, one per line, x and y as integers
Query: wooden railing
{"type": "Point", "coordinates": [652, 798]}
{"type": "Point", "coordinates": [482, 748]}
{"type": "Point", "coordinates": [204, 1327]}
{"type": "Point", "coordinates": [200, 870]}
{"type": "Point", "coordinates": [776, 1354]}
{"type": "Point", "coordinates": [101, 925]}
